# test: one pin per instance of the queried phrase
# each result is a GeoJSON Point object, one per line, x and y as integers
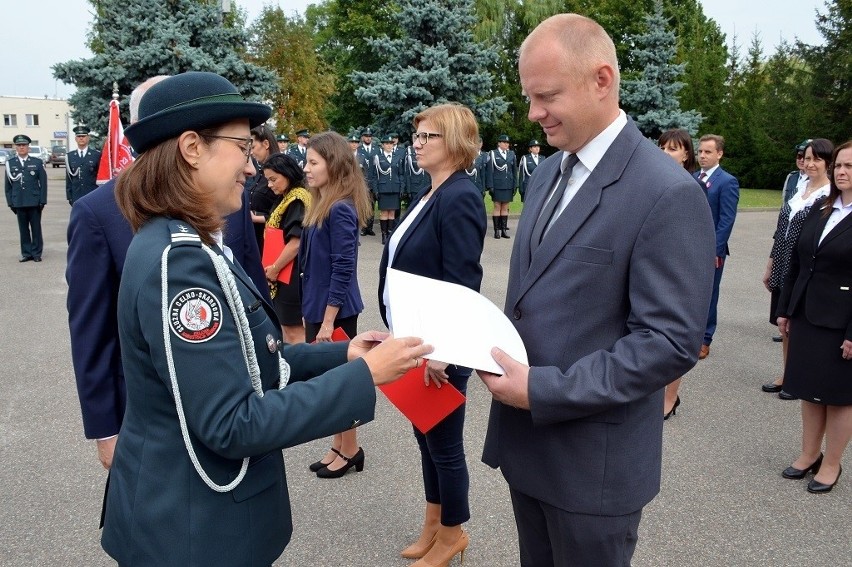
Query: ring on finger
{"type": "Point", "coordinates": [416, 362]}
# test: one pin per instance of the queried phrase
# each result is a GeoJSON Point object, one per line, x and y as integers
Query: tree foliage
{"type": "Point", "coordinates": [436, 61]}
{"type": "Point", "coordinates": [652, 97]}
{"type": "Point", "coordinates": [305, 83]}
{"type": "Point", "coordinates": [133, 41]}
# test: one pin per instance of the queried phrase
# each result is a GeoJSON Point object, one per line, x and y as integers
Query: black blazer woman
{"type": "Point", "coordinates": [441, 236]}
{"type": "Point", "coordinates": [815, 311]}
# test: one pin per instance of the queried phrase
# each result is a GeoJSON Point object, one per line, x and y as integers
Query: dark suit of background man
{"type": "Point", "coordinates": [723, 194]}
{"type": "Point", "coordinates": [81, 167]}
{"type": "Point", "coordinates": [98, 237]}
{"type": "Point", "coordinates": [26, 195]}
{"type": "Point", "coordinates": [610, 303]}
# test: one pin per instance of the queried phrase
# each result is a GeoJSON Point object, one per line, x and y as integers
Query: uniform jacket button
{"type": "Point", "coordinates": [517, 314]}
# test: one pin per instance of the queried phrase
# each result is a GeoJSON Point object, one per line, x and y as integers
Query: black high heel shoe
{"type": "Point", "coordinates": [319, 464]}
{"type": "Point", "coordinates": [816, 487]}
{"type": "Point", "coordinates": [673, 411]}
{"type": "Point", "coordinates": [356, 461]}
{"type": "Point", "coordinates": [797, 474]}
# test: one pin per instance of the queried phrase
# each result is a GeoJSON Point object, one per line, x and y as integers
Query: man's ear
{"type": "Point", "coordinates": [604, 79]}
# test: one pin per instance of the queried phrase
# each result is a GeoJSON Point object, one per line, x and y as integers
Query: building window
{"type": "Point", "coordinates": [32, 119]}
{"type": "Point", "coordinates": [10, 120]}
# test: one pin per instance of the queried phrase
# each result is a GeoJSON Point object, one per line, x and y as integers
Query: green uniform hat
{"type": "Point", "coordinates": [81, 131]}
{"type": "Point", "coordinates": [304, 133]}
{"type": "Point", "coordinates": [803, 146]}
{"type": "Point", "coordinates": [190, 101]}
{"type": "Point", "coordinates": [354, 138]}
{"type": "Point", "coordinates": [387, 140]}
{"type": "Point", "coordinates": [22, 139]}
{"type": "Point", "coordinates": [282, 138]}
{"type": "Point", "coordinates": [367, 132]}
{"type": "Point", "coordinates": [533, 143]}
{"type": "Point", "coordinates": [503, 138]}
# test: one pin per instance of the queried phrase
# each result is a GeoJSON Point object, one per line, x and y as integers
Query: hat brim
{"type": "Point", "coordinates": [170, 123]}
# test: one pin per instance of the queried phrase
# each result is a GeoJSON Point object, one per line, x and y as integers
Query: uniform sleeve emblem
{"type": "Point", "coordinates": [195, 315]}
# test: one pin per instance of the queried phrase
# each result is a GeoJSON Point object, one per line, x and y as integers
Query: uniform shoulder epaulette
{"type": "Point", "coordinates": [183, 234]}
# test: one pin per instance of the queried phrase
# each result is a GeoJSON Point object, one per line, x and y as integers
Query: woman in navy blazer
{"type": "Point", "coordinates": [328, 260]}
{"type": "Point", "coordinates": [441, 237]}
{"type": "Point", "coordinates": [815, 310]}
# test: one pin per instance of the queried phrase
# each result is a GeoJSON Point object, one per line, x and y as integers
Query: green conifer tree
{"type": "Point", "coordinates": [133, 41]}
{"type": "Point", "coordinates": [435, 61]}
{"type": "Point", "coordinates": [652, 97]}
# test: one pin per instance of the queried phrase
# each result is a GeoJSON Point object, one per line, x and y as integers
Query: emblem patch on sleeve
{"type": "Point", "coordinates": [195, 315]}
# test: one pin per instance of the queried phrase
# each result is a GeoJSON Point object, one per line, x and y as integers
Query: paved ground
{"type": "Point", "coordinates": [723, 501]}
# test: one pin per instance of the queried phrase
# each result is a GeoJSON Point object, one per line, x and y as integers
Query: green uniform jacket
{"type": "Point", "coordinates": [81, 173]}
{"type": "Point", "coordinates": [159, 512]}
{"type": "Point", "coordinates": [26, 186]}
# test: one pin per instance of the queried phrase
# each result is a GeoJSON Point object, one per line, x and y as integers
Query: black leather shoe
{"type": "Point", "coordinates": [771, 388]}
{"type": "Point", "coordinates": [37, 259]}
{"type": "Point", "coordinates": [797, 474]}
{"type": "Point", "coordinates": [816, 487]}
{"type": "Point", "coordinates": [785, 396]}
{"type": "Point", "coordinates": [356, 461]}
{"type": "Point", "coordinates": [25, 259]}
{"type": "Point", "coordinates": [321, 465]}
{"type": "Point", "coordinates": [672, 411]}
{"type": "Point", "coordinates": [777, 339]}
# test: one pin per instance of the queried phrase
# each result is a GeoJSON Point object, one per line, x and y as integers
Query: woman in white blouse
{"type": "Point", "coordinates": [790, 219]}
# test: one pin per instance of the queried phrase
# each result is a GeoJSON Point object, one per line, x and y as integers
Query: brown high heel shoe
{"type": "Point", "coordinates": [414, 551]}
{"type": "Point", "coordinates": [443, 561]}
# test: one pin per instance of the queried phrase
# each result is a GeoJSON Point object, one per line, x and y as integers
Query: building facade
{"type": "Point", "coordinates": [45, 120]}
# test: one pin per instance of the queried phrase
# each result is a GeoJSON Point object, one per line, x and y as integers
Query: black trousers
{"type": "Point", "coordinates": [29, 225]}
{"type": "Point", "coordinates": [551, 537]}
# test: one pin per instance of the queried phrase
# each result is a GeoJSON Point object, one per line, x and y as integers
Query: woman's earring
{"type": "Point", "coordinates": [195, 164]}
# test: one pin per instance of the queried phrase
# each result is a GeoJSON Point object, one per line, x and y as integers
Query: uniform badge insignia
{"type": "Point", "coordinates": [271, 343]}
{"type": "Point", "coordinates": [195, 315]}
{"type": "Point", "coordinates": [182, 228]}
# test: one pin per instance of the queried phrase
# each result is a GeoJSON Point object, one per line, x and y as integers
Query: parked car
{"type": "Point", "coordinates": [57, 156]}
{"type": "Point", "coordinates": [4, 155]}
{"type": "Point", "coordinates": [38, 152]}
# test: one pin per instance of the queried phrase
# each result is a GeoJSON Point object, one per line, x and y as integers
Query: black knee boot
{"type": "Point", "coordinates": [504, 227]}
{"type": "Point", "coordinates": [497, 225]}
{"type": "Point", "coordinates": [383, 224]}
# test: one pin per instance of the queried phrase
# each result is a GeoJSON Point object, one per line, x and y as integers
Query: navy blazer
{"type": "Point", "coordinates": [98, 238]}
{"type": "Point", "coordinates": [819, 281]}
{"type": "Point", "coordinates": [445, 240]}
{"type": "Point", "coordinates": [723, 194]}
{"type": "Point", "coordinates": [328, 265]}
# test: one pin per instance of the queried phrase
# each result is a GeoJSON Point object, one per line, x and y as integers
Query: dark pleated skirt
{"type": "Point", "coordinates": [388, 201]}
{"type": "Point", "coordinates": [503, 195]}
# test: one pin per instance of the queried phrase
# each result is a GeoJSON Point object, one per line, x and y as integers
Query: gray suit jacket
{"type": "Point", "coordinates": [611, 307]}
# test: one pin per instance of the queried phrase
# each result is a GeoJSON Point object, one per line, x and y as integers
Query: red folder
{"type": "Point", "coordinates": [273, 244]}
{"type": "Point", "coordinates": [425, 406]}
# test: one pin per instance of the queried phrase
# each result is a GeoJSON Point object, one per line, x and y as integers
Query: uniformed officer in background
{"type": "Point", "coordinates": [501, 179]}
{"type": "Point", "coordinates": [528, 164]}
{"type": "Point", "coordinates": [283, 142]}
{"type": "Point", "coordinates": [354, 142]}
{"type": "Point", "coordinates": [476, 172]}
{"type": "Point", "coordinates": [300, 150]}
{"type": "Point", "coordinates": [414, 177]}
{"type": "Point", "coordinates": [26, 195]}
{"type": "Point", "coordinates": [367, 150]}
{"type": "Point", "coordinates": [81, 167]}
{"type": "Point", "coordinates": [385, 182]}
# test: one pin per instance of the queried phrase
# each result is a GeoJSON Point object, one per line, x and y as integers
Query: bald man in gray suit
{"type": "Point", "coordinates": [609, 284]}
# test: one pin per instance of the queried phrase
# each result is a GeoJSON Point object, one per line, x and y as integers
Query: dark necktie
{"type": "Point", "coordinates": [703, 177]}
{"type": "Point", "coordinates": [540, 227]}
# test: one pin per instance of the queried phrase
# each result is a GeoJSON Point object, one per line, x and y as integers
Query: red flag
{"type": "Point", "coordinates": [115, 154]}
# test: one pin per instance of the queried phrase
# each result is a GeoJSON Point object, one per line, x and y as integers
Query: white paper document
{"type": "Point", "coordinates": [461, 324]}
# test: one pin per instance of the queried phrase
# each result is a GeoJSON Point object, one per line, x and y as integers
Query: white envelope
{"type": "Point", "coordinates": [460, 323]}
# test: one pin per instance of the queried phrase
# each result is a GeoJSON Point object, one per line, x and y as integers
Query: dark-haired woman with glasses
{"type": "Point", "coordinates": [262, 200]}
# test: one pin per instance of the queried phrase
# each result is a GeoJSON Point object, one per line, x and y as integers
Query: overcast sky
{"type": "Point", "coordinates": [60, 35]}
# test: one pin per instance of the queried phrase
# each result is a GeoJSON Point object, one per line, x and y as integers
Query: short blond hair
{"type": "Point", "coordinates": [459, 130]}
